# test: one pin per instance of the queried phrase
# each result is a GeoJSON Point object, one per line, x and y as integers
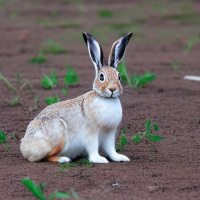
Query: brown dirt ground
{"type": "Point", "coordinates": [174, 103]}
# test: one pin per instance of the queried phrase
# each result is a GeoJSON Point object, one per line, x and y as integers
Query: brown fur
{"type": "Point", "coordinates": [52, 159]}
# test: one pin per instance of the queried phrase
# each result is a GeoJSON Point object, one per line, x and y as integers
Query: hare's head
{"type": "Point", "coordinates": [107, 80]}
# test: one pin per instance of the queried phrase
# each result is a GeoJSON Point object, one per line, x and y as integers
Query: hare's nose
{"type": "Point", "coordinates": [112, 89]}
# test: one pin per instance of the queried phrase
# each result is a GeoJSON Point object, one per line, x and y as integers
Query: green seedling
{"type": "Point", "coordinates": [53, 48]}
{"type": "Point", "coordinates": [55, 13]}
{"type": "Point", "coordinates": [71, 78]}
{"type": "Point", "coordinates": [7, 148]}
{"type": "Point", "coordinates": [34, 107]}
{"type": "Point", "coordinates": [135, 80]}
{"type": "Point", "coordinates": [49, 82]}
{"type": "Point", "coordinates": [13, 136]}
{"type": "Point", "coordinates": [82, 162]}
{"type": "Point", "coordinates": [139, 81]}
{"type": "Point", "coordinates": [9, 85]}
{"type": "Point", "coordinates": [15, 101]}
{"type": "Point", "coordinates": [26, 84]}
{"type": "Point", "coordinates": [148, 134]}
{"type": "Point", "coordinates": [2, 137]}
{"type": "Point", "coordinates": [123, 141]}
{"type": "Point", "coordinates": [36, 102]}
{"type": "Point", "coordinates": [190, 43]}
{"type": "Point", "coordinates": [51, 100]}
{"type": "Point", "coordinates": [38, 60]}
{"type": "Point", "coordinates": [38, 189]}
{"type": "Point", "coordinates": [105, 13]}
{"type": "Point", "coordinates": [175, 65]}
{"type": "Point", "coordinates": [64, 91]}
{"type": "Point", "coordinates": [14, 15]}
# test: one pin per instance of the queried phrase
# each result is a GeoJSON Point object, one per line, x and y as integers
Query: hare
{"type": "Point", "coordinates": [81, 126]}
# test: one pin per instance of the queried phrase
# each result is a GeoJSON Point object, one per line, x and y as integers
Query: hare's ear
{"type": "Point", "coordinates": [95, 51]}
{"type": "Point", "coordinates": [118, 50]}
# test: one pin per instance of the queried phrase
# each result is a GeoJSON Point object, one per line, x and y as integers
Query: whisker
{"type": "Point", "coordinates": [126, 100]}
{"type": "Point", "coordinates": [129, 92]}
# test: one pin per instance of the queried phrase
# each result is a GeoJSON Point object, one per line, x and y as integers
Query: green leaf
{"type": "Point", "coordinates": [123, 130]}
{"type": "Point", "coordinates": [74, 194]}
{"type": "Point", "coordinates": [190, 43]}
{"type": "Point", "coordinates": [154, 138]}
{"type": "Point", "coordinates": [16, 101]}
{"type": "Point", "coordinates": [53, 48]}
{"type": "Point", "coordinates": [85, 163]}
{"type": "Point", "coordinates": [140, 81]}
{"type": "Point", "coordinates": [38, 60]}
{"type": "Point", "coordinates": [7, 148]}
{"type": "Point", "coordinates": [71, 78]}
{"type": "Point", "coordinates": [123, 141]}
{"type": "Point", "coordinates": [148, 126]}
{"type": "Point", "coordinates": [64, 91]}
{"type": "Point", "coordinates": [136, 138]}
{"type": "Point", "coordinates": [51, 100]}
{"type": "Point", "coordinates": [156, 127]}
{"type": "Point", "coordinates": [10, 86]}
{"type": "Point", "coordinates": [33, 188]}
{"type": "Point", "coordinates": [105, 13]}
{"type": "Point", "coordinates": [2, 137]}
{"type": "Point", "coordinates": [124, 74]}
{"type": "Point", "coordinates": [49, 82]}
{"type": "Point", "coordinates": [59, 195]}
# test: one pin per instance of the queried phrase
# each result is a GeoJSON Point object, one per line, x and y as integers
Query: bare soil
{"type": "Point", "coordinates": [170, 101]}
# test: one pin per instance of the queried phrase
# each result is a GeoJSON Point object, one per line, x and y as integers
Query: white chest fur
{"type": "Point", "coordinates": [106, 112]}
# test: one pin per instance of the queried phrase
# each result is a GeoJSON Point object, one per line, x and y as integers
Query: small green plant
{"type": "Point", "coordinates": [51, 100]}
{"type": "Point", "coordinates": [2, 137]}
{"type": "Point", "coordinates": [82, 162]}
{"type": "Point", "coordinates": [15, 101]}
{"type": "Point", "coordinates": [188, 47]}
{"type": "Point", "coordinates": [37, 190]}
{"type": "Point", "coordinates": [14, 15]}
{"type": "Point", "coordinates": [34, 107]}
{"type": "Point", "coordinates": [53, 48]}
{"type": "Point", "coordinates": [105, 13]}
{"type": "Point", "coordinates": [175, 65]}
{"type": "Point", "coordinates": [71, 78]}
{"type": "Point", "coordinates": [123, 141]}
{"type": "Point", "coordinates": [49, 82]}
{"type": "Point", "coordinates": [38, 60]}
{"type": "Point", "coordinates": [13, 136]}
{"type": "Point", "coordinates": [148, 134]}
{"type": "Point", "coordinates": [36, 102]}
{"type": "Point", "coordinates": [7, 148]}
{"type": "Point", "coordinates": [64, 91]}
{"type": "Point", "coordinates": [9, 85]}
{"type": "Point", "coordinates": [135, 80]}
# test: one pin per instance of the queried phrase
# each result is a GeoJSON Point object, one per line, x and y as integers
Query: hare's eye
{"type": "Point", "coordinates": [119, 76]}
{"type": "Point", "coordinates": [101, 77]}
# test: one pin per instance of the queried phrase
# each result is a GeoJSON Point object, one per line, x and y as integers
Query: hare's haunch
{"type": "Point", "coordinates": [80, 126]}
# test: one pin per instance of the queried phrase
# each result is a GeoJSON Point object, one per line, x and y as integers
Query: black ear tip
{"type": "Point", "coordinates": [129, 34]}
{"type": "Point", "coordinates": [85, 37]}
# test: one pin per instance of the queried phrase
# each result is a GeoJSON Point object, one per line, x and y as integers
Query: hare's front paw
{"type": "Point", "coordinates": [119, 157]}
{"type": "Point", "coordinates": [63, 160]}
{"type": "Point", "coordinates": [98, 159]}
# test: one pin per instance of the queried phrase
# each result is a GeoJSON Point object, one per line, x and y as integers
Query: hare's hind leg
{"type": "Point", "coordinates": [59, 159]}
{"type": "Point", "coordinates": [53, 158]}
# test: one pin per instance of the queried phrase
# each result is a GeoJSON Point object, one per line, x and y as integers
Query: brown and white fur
{"type": "Point", "coordinates": [81, 126]}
